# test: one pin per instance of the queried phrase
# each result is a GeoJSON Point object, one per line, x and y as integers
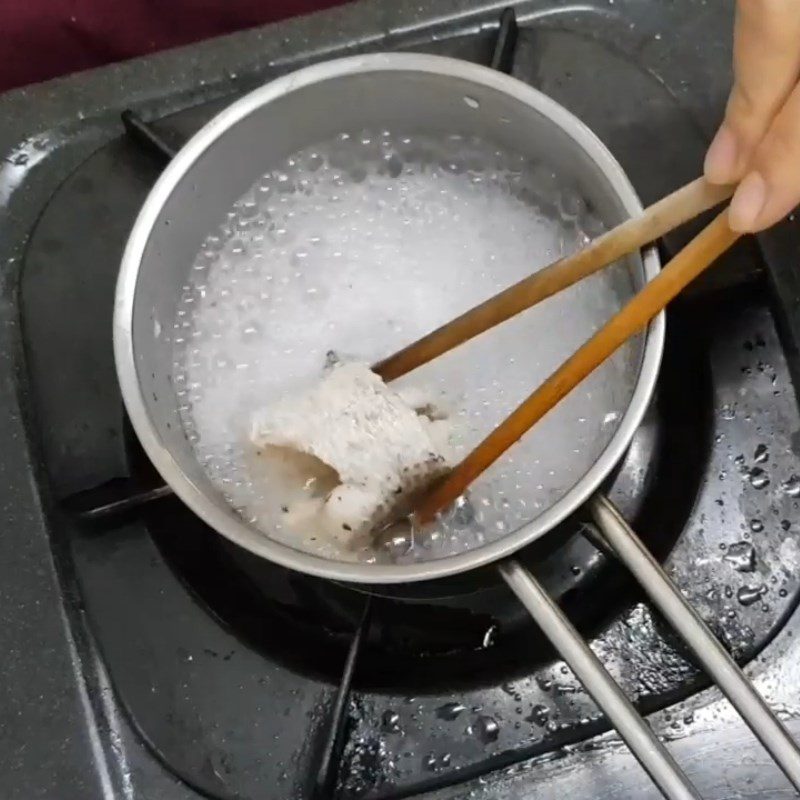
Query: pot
{"type": "Point", "coordinates": [221, 161]}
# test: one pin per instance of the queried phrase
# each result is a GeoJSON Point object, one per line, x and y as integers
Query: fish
{"type": "Point", "coordinates": [363, 451]}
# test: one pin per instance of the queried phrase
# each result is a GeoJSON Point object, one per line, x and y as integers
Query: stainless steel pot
{"type": "Point", "coordinates": [221, 161]}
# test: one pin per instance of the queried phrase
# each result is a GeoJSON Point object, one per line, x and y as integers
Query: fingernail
{"type": "Point", "coordinates": [720, 163]}
{"type": "Point", "coordinates": [748, 203]}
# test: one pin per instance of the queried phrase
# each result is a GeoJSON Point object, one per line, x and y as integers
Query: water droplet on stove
{"type": "Point", "coordinates": [759, 479]}
{"type": "Point", "coordinates": [471, 102]}
{"type": "Point", "coordinates": [566, 688]}
{"type": "Point", "coordinates": [761, 454]}
{"type": "Point", "coordinates": [486, 729]}
{"type": "Point", "coordinates": [390, 722]}
{"type": "Point", "coordinates": [450, 711]}
{"type": "Point", "coordinates": [741, 556]}
{"type": "Point", "coordinates": [791, 486]}
{"type": "Point", "coordinates": [539, 715]}
{"type": "Point", "coordinates": [488, 637]}
{"type": "Point", "coordinates": [747, 595]}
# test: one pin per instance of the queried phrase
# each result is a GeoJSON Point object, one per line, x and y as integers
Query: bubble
{"type": "Point", "coordinates": [251, 331]}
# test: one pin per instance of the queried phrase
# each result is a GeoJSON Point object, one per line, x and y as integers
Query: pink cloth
{"type": "Point", "coordinates": [41, 39]}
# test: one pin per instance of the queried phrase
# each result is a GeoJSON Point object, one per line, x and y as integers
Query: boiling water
{"type": "Point", "coordinates": [363, 244]}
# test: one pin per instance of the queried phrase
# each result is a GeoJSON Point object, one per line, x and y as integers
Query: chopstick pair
{"type": "Point", "coordinates": [660, 218]}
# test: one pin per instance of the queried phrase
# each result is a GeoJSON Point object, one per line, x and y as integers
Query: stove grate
{"type": "Point", "coordinates": [111, 503]}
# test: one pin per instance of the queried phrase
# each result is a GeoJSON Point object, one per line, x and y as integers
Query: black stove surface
{"type": "Point", "coordinates": [150, 658]}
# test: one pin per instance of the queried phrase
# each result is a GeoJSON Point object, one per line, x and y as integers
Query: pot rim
{"type": "Point", "coordinates": [238, 531]}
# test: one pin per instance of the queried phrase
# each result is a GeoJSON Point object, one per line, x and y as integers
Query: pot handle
{"type": "Point", "coordinates": [716, 661]}
{"type": "Point", "coordinates": [617, 538]}
{"type": "Point", "coordinates": [635, 732]}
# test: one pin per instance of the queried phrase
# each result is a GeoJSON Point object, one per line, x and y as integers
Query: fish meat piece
{"type": "Point", "coordinates": [383, 451]}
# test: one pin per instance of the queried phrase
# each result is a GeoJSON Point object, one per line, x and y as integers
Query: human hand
{"type": "Point", "coordinates": [759, 140]}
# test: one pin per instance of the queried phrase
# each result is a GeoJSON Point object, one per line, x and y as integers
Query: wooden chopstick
{"type": "Point", "coordinates": [658, 219]}
{"type": "Point", "coordinates": [700, 253]}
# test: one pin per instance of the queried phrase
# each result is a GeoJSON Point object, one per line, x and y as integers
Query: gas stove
{"type": "Point", "coordinates": [146, 657]}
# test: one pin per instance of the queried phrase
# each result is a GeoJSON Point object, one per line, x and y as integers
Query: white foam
{"type": "Point", "coordinates": [360, 246]}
